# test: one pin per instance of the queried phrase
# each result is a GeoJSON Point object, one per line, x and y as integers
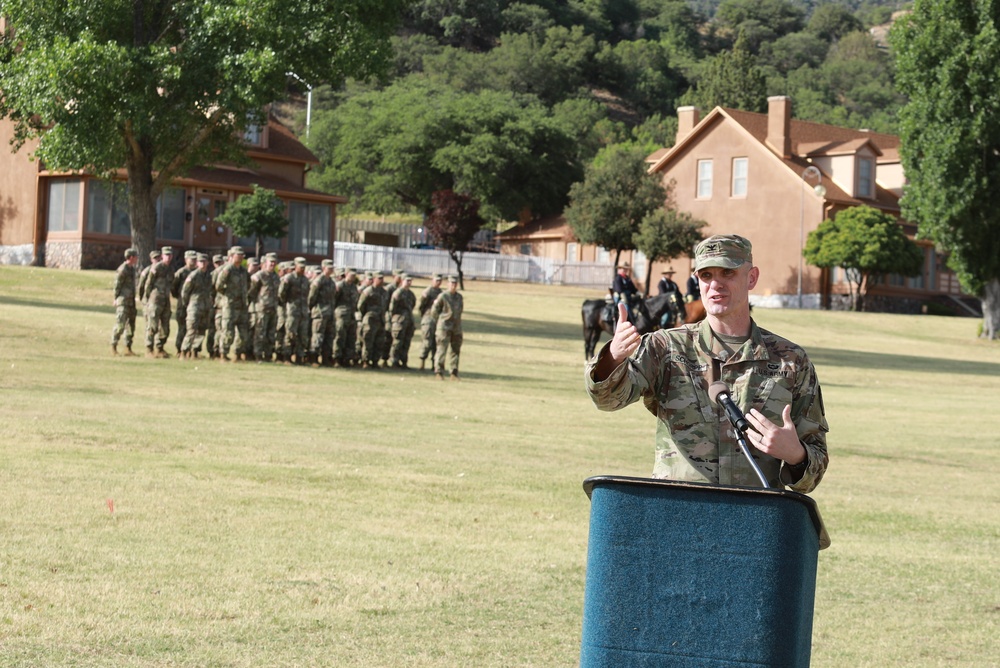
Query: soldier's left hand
{"type": "Point", "coordinates": [779, 442]}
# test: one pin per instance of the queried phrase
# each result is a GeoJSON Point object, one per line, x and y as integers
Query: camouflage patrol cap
{"type": "Point", "coordinates": [350, 270]}
{"type": "Point", "coordinates": [436, 277]}
{"type": "Point", "coordinates": [218, 259]}
{"type": "Point", "coordinates": [300, 262]}
{"type": "Point", "coordinates": [405, 277]}
{"type": "Point", "coordinates": [131, 252]}
{"type": "Point", "coordinates": [273, 257]}
{"type": "Point", "coordinates": [369, 274]}
{"type": "Point", "coordinates": [453, 279]}
{"type": "Point", "coordinates": [167, 250]}
{"type": "Point", "coordinates": [202, 257]}
{"type": "Point", "coordinates": [155, 255]}
{"type": "Point", "coordinates": [326, 263]}
{"type": "Point", "coordinates": [190, 253]}
{"type": "Point", "coordinates": [728, 251]}
{"type": "Point", "coordinates": [253, 261]}
{"type": "Point", "coordinates": [236, 250]}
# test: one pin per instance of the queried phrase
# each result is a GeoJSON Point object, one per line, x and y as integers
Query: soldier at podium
{"type": "Point", "coordinates": [770, 379]}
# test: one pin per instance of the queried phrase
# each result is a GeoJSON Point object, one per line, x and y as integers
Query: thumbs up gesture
{"type": "Point", "coordinates": [626, 338]}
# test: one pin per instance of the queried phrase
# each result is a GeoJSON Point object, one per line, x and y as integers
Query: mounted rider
{"type": "Point", "coordinates": [675, 301]}
{"type": "Point", "coordinates": [623, 290]}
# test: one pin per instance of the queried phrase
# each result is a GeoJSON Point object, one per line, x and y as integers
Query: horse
{"type": "Point", "coordinates": [598, 315]}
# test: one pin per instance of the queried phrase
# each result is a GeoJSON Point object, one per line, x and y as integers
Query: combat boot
{"type": "Point", "coordinates": [423, 363]}
{"type": "Point", "coordinates": [114, 350]}
{"type": "Point", "coordinates": [128, 352]}
{"type": "Point", "coordinates": [438, 375]}
{"type": "Point", "coordinates": [454, 375]}
{"type": "Point", "coordinates": [149, 351]}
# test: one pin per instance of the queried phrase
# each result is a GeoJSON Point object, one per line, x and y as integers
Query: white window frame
{"type": "Point", "coordinates": [704, 189]}
{"type": "Point", "coordinates": [866, 182]}
{"type": "Point", "coordinates": [741, 176]}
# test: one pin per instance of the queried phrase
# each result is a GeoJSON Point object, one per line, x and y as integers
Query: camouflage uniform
{"type": "Point", "coordinates": [389, 288]}
{"type": "Point", "coordinates": [231, 286]}
{"type": "Point", "coordinates": [196, 293]}
{"type": "Point", "coordinates": [372, 306]}
{"type": "Point", "coordinates": [344, 306]}
{"type": "Point", "coordinates": [428, 326]}
{"type": "Point", "coordinates": [322, 293]}
{"type": "Point", "coordinates": [401, 307]}
{"type": "Point", "coordinates": [294, 292]}
{"type": "Point", "coordinates": [140, 290]}
{"type": "Point", "coordinates": [212, 341]}
{"type": "Point", "coordinates": [447, 311]}
{"type": "Point", "coordinates": [158, 300]}
{"type": "Point", "coordinates": [124, 305]}
{"type": "Point", "coordinates": [671, 372]}
{"type": "Point", "coordinates": [263, 295]}
{"type": "Point", "coordinates": [175, 289]}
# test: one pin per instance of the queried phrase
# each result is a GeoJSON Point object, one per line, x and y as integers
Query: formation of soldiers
{"type": "Point", "coordinates": [266, 311]}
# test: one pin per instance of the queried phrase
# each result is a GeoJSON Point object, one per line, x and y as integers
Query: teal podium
{"type": "Point", "coordinates": [691, 575]}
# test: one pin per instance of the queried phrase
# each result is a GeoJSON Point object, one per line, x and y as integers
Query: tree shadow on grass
{"type": "Point", "coordinates": [489, 323]}
{"type": "Point", "coordinates": [892, 362]}
{"type": "Point", "coordinates": [60, 306]}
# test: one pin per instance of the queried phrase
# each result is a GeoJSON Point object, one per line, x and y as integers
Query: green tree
{"type": "Point", "coordinates": [452, 223]}
{"type": "Point", "coordinates": [948, 63]}
{"type": "Point", "coordinates": [159, 87]}
{"type": "Point", "coordinates": [867, 243]}
{"type": "Point", "coordinates": [614, 197]}
{"type": "Point", "coordinates": [260, 214]}
{"type": "Point", "coordinates": [731, 79]}
{"type": "Point", "coordinates": [758, 21]}
{"type": "Point", "coordinates": [665, 234]}
{"type": "Point", "coordinates": [390, 150]}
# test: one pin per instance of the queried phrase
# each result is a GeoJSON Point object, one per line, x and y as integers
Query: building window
{"type": "Point", "coordinates": [525, 249]}
{"type": "Point", "coordinates": [741, 166]}
{"type": "Point", "coordinates": [309, 228]}
{"type": "Point", "coordinates": [603, 255]}
{"type": "Point", "coordinates": [865, 187]}
{"type": "Point", "coordinates": [571, 250]}
{"type": "Point", "coordinates": [170, 214]}
{"type": "Point", "coordinates": [64, 205]}
{"type": "Point", "coordinates": [704, 179]}
{"type": "Point", "coordinates": [107, 208]}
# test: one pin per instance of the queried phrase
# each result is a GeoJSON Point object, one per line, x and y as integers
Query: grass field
{"type": "Point", "coordinates": [174, 513]}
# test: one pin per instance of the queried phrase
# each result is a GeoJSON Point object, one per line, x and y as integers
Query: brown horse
{"type": "Point", "coordinates": [599, 316]}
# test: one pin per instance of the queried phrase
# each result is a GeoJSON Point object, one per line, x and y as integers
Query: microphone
{"type": "Point", "coordinates": [719, 394]}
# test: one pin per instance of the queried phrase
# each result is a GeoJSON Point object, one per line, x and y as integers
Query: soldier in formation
{"type": "Point", "coordinates": [124, 300]}
{"type": "Point", "coordinates": [447, 312]}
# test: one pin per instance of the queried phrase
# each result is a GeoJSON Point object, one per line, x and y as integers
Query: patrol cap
{"type": "Point", "coordinates": [728, 251]}
{"type": "Point", "coordinates": [350, 270]}
{"type": "Point", "coordinates": [131, 252]}
{"type": "Point", "coordinates": [326, 263]}
{"type": "Point", "coordinates": [436, 277]}
{"type": "Point", "coordinates": [405, 277]}
{"type": "Point", "coordinates": [369, 274]}
{"type": "Point", "coordinates": [236, 250]}
{"type": "Point", "coordinates": [202, 257]}
{"type": "Point", "coordinates": [300, 262]}
{"type": "Point", "coordinates": [273, 257]}
{"type": "Point", "coordinates": [253, 261]}
{"type": "Point", "coordinates": [453, 279]}
{"type": "Point", "coordinates": [168, 250]}
{"type": "Point", "coordinates": [190, 253]}
{"type": "Point", "coordinates": [218, 259]}
{"type": "Point", "coordinates": [155, 255]}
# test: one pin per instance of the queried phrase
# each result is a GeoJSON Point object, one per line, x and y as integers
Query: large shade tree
{"type": "Point", "coordinates": [156, 87]}
{"type": "Point", "coordinates": [616, 194]}
{"type": "Point", "coordinates": [868, 244]}
{"type": "Point", "coordinates": [666, 234]}
{"type": "Point", "coordinates": [947, 65]}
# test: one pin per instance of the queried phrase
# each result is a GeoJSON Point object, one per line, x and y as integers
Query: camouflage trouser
{"type": "Point", "coordinates": [195, 326]}
{"type": "Point", "coordinates": [264, 333]}
{"type": "Point", "coordinates": [280, 333]}
{"type": "Point", "coordinates": [234, 328]}
{"type": "Point", "coordinates": [322, 337]}
{"type": "Point", "coordinates": [346, 335]}
{"type": "Point", "coordinates": [402, 332]}
{"type": "Point", "coordinates": [124, 322]}
{"type": "Point", "coordinates": [158, 325]}
{"type": "Point", "coordinates": [428, 330]}
{"type": "Point", "coordinates": [449, 344]}
{"type": "Point", "coordinates": [181, 317]}
{"type": "Point", "coordinates": [212, 337]}
{"type": "Point", "coordinates": [372, 338]}
{"type": "Point", "coordinates": [359, 344]}
{"type": "Point", "coordinates": [386, 337]}
{"type": "Point", "coordinates": [296, 332]}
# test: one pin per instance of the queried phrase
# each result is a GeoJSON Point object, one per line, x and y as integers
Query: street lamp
{"type": "Point", "coordinates": [309, 100]}
{"type": "Point", "coordinates": [820, 191]}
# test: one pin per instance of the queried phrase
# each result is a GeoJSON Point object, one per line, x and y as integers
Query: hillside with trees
{"type": "Point", "coordinates": [510, 101]}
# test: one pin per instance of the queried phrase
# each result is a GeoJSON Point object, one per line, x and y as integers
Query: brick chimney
{"type": "Point", "coordinates": [687, 118]}
{"type": "Point", "coordinates": [779, 124]}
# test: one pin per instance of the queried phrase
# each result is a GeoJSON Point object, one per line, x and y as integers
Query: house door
{"type": "Point", "coordinates": [210, 235]}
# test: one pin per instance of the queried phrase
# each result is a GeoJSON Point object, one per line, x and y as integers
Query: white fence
{"type": "Point", "coordinates": [351, 230]}
{"type": "Point", "coordinates": [479, 266]}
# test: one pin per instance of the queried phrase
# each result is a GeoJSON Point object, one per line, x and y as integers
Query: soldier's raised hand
{"type": "Point", "coordinates": [626, 338]}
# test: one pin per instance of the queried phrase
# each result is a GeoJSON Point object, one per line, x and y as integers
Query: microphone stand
{"type": "Point", "coordinates": [745, 447]}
